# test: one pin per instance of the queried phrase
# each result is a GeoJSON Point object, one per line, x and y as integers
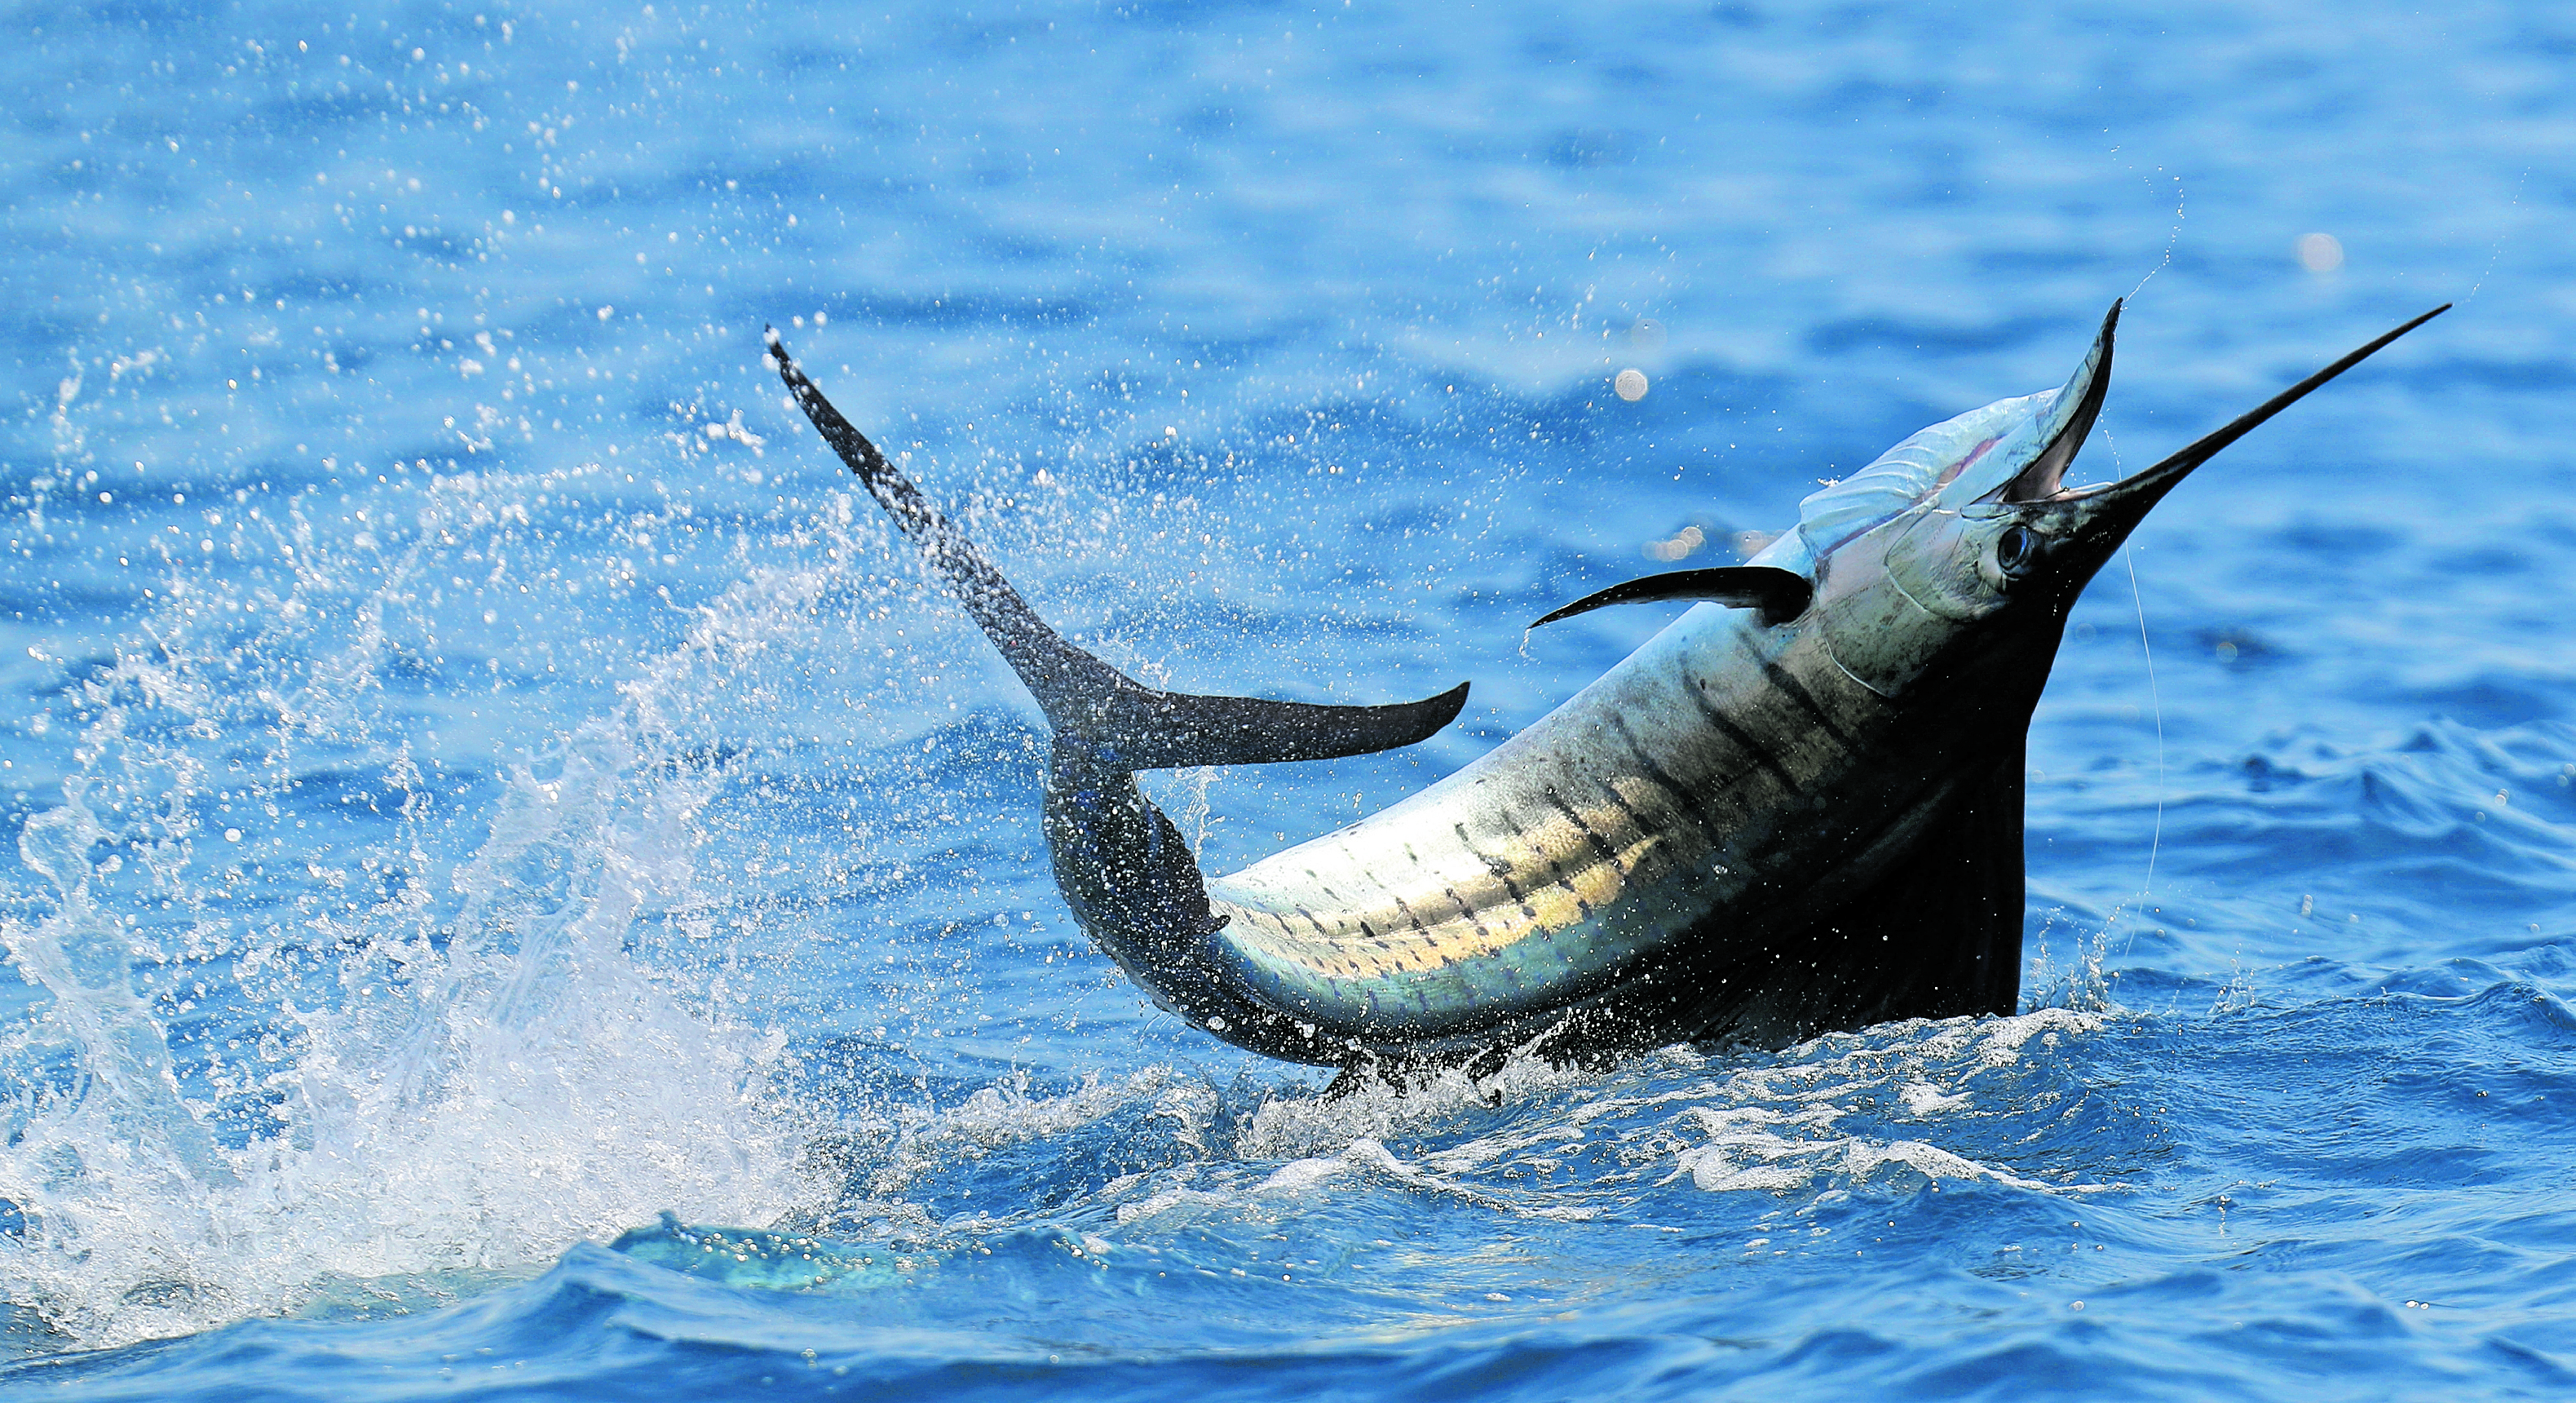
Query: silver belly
{"type": "Point", "coordinates": [1658, 804]}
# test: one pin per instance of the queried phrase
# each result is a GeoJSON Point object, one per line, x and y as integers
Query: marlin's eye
{"type": "Point", "coordinates": [2016, 550]}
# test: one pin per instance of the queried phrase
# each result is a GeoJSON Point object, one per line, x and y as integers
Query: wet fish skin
{"type": "Point", "coordinates": [1800, 813]}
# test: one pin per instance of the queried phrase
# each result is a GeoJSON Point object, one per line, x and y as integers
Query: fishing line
{"type": "Point", "coordinates": [2173, 237]}
{"type": "Point", "coordinates": [2155, 706]}
{"type": "Point", "coordinates": [2155, 841]}
{"type": "Point", "coordinates": [2155, 844]}
{"type": "Point", "coordinates": [2498, 251]}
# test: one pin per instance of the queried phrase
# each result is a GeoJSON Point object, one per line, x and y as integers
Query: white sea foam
{"type": "Point", "coordinates": [925, 1140]}
{"type": "Point", "coordinates": [1776, 1124]}
{"type": "Point", "coordinates": [1782, 1128]}
{"type": "Point", "coordinates": [1812, 1121]}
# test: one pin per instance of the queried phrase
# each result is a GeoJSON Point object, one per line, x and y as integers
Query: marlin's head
{"type": "Point", "coordinates": [1961, 549]}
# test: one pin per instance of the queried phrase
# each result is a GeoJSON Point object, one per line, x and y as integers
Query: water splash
{"type": "Point", "coordinates": [442, 1055]}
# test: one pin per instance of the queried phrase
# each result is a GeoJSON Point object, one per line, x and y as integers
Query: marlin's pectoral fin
{"type": "Point", "coordinates": [1780, 595]}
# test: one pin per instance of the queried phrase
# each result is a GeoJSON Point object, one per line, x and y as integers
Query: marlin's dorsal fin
{"type": "Point", "coordinates": [1780, 594]}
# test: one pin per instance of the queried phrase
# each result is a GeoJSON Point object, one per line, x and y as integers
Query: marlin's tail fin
{"type": "Point", "coordinates": [1125, 724]}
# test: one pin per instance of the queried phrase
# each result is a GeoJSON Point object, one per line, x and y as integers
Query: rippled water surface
{"type": "Point", "coordinates": [520, 891]}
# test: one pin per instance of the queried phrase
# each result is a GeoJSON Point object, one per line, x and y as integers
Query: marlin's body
{"type": "Point", "coordinates": [1797, 813]}
{"type": "Point", "coordinates": [1705, 834]}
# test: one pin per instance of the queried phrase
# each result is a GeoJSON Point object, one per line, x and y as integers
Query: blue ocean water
{"type": "Point", "coordinates": [520, 891]}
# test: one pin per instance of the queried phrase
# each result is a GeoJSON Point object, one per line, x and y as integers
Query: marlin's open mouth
{"type": "Point", "coordinates": [2091, 522]}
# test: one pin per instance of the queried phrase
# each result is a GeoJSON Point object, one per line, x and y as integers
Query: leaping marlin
{"type": "Point", "coordinates": [1798, 808]}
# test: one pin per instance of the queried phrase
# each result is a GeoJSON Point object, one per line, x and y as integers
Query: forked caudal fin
{"type": "Point", "coordinates": [1125, 724]}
